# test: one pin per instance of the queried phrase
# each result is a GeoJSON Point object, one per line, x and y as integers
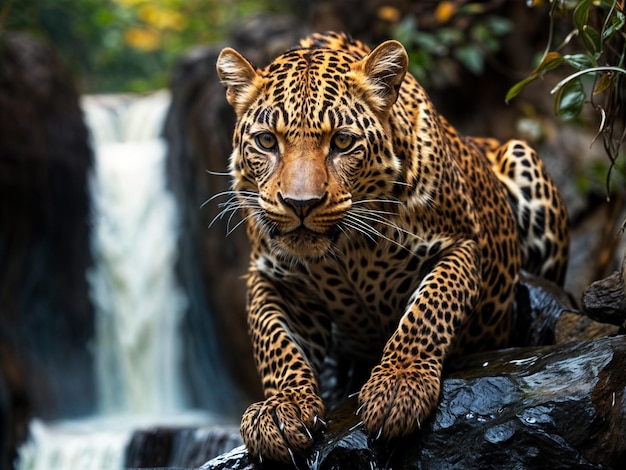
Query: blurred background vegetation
{"type": "Point", "coordinates": [459, 49]}
{"type": "Point", "coordinates": [129, 45]}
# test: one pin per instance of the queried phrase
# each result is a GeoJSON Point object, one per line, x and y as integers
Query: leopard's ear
{"type": "Point", "coordinates": [384, 69]}
{"type": "Point", "coordinates": [239, 77]}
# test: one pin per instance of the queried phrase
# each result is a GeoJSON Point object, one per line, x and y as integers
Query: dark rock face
{"type": "Point", "coordinates": [45, 313]}
{"type": "Point", "coordinates": [547, 407]}
{"type": "Point", "coordinates": [197, 129]}
{"type": "Point", "coordinates": [605, 300]}
{"type": "Point", "coordinates": [179, 447]}
{"type": "Point", "coordinates": [562, 406]}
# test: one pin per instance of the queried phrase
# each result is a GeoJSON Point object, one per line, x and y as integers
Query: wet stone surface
{"type": "Point", "coordinates": [555, 406]}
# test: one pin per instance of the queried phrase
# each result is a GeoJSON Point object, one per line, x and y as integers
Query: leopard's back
{"type": "Point", "coordinates": [541, 213]}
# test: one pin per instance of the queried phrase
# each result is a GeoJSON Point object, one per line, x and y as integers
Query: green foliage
{"type": "Point", "coordinates": [596, 45]}
{"type": "Point", "coordinates": [128, 45]}
{"type": "Point", "coordinates": [600, 56]}
{"type": "Point", "coordinates": [468, 43]}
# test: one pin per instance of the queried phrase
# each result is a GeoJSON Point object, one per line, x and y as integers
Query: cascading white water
{"type": "Point", "coordinates": [89, 445]}
{"type": "Point", "coordinates": [138, 304]}
{"type": "Point", "coordinates": [134, 311]}
{"type": "Point", "coordinates": [137, 348]}
{"type": "Point", "coordinates": [137, 300]}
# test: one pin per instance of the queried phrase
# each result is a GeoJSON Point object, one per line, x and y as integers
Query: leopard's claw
{"type": "Point", "coordinates": [395, 401]}
{"type": "Point", "coordinates": [281, 426]}
{"type": "Point", "coordinates": [317, 419]}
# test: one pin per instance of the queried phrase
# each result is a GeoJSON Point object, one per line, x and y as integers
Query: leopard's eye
{"type": "Point", "coordinates": [342, 141]}
{"type": "Point", "coordinates": [266, 140]}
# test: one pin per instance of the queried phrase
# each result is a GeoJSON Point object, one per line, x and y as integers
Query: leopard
{"type": "Point", "coordinates": [376, 228]}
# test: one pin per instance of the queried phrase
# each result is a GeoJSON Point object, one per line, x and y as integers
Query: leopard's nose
{"type": "Point", "coordinates": [302, 207]}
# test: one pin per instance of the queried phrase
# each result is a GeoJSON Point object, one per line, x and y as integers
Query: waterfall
{"type": "Point", "coordinates": [137, 301]}
{"type": "Point", "coordinates": [137, 316]}
{"type": "Point", "coordinates": [73, 445]}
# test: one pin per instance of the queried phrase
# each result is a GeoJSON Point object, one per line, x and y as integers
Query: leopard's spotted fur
{"type": "Point", "coordinates": [376, 227]}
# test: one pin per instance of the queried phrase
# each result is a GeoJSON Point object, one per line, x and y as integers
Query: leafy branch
{"type": "Point", "coordinates": [600, 26]}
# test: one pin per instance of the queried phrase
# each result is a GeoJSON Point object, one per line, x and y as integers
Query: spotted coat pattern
{"type": "Point", "coordinates": [375, 227]}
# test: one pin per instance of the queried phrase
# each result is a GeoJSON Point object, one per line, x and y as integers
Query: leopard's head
{"type": "Point", "coordinates": [312, 145]}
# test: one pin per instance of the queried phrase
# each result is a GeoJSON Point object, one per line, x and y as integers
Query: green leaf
{"type": "Point", "coordinates": [569, 99]}
{"type": "Point", "coordinates": [550, 61]}
{"type": "Point", "coordinates": [420, 62]}
{"type": "Point", "coordinates": [475, 8]}
{"type": "Point", "coordinates": [617, 23]}
{"type": "Point", "coordinates": [606, 80]}
{"type": "Point", "coordinates": [430, 43]}
{"type": "Point", "coordinates": [578, 61]}
{"type": "Point", "coordinates": [406, 30]}
{"type": "Point", "coordinates": [450, 36]}
{"type": "Point", "coordinates": [517, 88]}
{"type": "Point", "coordinates": [591, 38]}
{"type": "Point", "coordinates": [608, 3]}
{"type": "Point", "coordinates": [103, 18]}
{"type": "Point", "coordinates": [483, 35]}
{"type": "Point", "coordinates": [581, 14]}
{"type": "Point", "coordinates": [499, 25]}
{"type": "Point", "coordinates": [472, 57]}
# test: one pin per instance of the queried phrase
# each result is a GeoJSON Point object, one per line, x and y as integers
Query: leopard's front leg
{"type": "Point", "coordinates": [284, 424]}
{"type": "Point", "coordinates": [404, 388]}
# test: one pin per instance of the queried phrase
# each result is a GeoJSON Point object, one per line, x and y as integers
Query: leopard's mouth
{"type": "Point", "coordinates": [304, 243]}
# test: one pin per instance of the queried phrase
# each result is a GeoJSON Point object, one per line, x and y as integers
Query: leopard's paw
{"type": "Point", "coordinates": [395, 401]}
{"type": "Point", "coordinates": [283, 425]}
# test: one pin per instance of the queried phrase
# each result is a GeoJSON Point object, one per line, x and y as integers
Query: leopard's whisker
{"type": "Point", "coordinates": [381, 220]}
{"type": "Point", "coordinates": [239, 200]}
{"type": "Point", "coordinates": [372, 211]}
{"type": "Point", "coordinates": [232, 193]}
{"type": "Point", "coordinates": [234, 207]}
{"type": "Point", "coordinates": [370, 231]}
{"type": "Point", "coordinates": [243, 220]}
{"type": "Point", "coordinates": [265, 226]}
{"type": "Point", "coordinates": [219, 173]}
{"type": "Point", "coordinates": [374, 216]}
{"type": "Point", "coordinates": [360, 229]}
{"type": "Point", "coordinates": [230, 218]}
{"type": "Point", "coordinates": [376, 201]}
{"type": "Point", "coordinates": [365, 226]}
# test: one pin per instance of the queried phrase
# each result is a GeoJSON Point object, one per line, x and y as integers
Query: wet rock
{"type": "Point", "coordinates": [605, 300]}
{"type": "Point", "coordinates": [576, 326]}
{"type": "Point", "coordinates": [179, 447]}
{"type": "Point", "coordinates": [192, 447]}
{"type": "Point", "coordinates": [547, 314]}
{"type": "Point", "coordinates": [546, 407]}
{"type": "Point", "coordinates": [539, 304]}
